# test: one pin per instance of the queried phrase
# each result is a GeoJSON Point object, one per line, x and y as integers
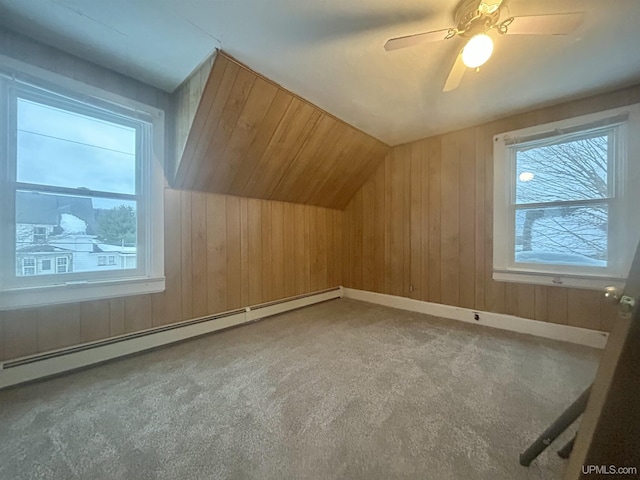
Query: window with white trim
{"type": "Point", "coordinates": [81, 173]}
{"type": "Point", "coordinates": [28, 266]}
{"type": "Point", "coordinates": [566, 199]}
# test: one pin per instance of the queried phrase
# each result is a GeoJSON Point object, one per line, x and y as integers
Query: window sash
{"type": "Point", "coordinates": [623, 198]}
{"type": "Point", "coordinates": [14, 90]}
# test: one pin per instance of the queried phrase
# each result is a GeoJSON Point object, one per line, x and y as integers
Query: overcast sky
{"type": "Point", "coordinates": [65, 149]}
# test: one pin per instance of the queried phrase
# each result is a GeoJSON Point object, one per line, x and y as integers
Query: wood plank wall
{"type": "Point", "coordinates": [424, 218]}
{"type": "Point", "coordinates": [252, 138]}
{"type": "Point", "coordinates": [221, 252]}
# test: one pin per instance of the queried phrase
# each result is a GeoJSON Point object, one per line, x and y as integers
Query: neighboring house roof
{"type": "Point", "coordinates": [41, 248]}
{"type": "Point", "coordinates": [45, 209]}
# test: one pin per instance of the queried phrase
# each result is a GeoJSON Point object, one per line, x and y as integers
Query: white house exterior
{"type": "Point", "coordinates": [55, 235]}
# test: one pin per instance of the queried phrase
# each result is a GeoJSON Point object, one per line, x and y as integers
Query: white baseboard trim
{"type": "Point", "coordinates": [565, 333]}
{"type": "Point", "coordinates": [16, 371]}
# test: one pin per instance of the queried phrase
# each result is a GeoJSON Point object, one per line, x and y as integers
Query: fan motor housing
{"type": "Point", "coordinates": [471, 21]}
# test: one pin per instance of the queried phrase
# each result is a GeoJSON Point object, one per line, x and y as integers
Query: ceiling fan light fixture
{"type": "Point", "coordinates": [477, 50]}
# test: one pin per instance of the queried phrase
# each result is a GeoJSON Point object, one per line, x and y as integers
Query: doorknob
{"type": "Point", "coordinates": [625, 303]}
{"type": "Point", "coordinates": [612, 294]}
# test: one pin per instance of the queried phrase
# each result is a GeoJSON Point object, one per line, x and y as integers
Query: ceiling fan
{"type": "Point", "coordinates": [474, 19]}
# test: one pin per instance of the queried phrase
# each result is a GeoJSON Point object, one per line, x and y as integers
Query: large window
{"type": "Point", "coordinates": [81, 176]}
{"type": "Point", "coordinates": [566, 201]}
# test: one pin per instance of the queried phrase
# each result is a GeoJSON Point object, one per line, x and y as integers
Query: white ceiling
{"type": "Point", "coordinates": [330, 52]}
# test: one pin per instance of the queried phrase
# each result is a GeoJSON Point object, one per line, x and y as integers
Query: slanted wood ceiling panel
{"type": "Point", "coordinates": [252, 138]}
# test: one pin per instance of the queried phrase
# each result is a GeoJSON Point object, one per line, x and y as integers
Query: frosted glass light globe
{"type": "Point", "coordinates": [477, 50]}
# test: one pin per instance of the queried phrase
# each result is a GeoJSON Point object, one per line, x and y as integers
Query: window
{"type": "Point", "coordinates": [112, 260]}
{"type": "Point", "coordinates": [82, 173]}
{"type": "Point", "coordinates": [62, 265]}
{"type": "Point", "coordinates": [565, 200]}
{"type": "Point", "coordinates": [39, 234]}
{"type": "Point", "coordinates": [28, 266]}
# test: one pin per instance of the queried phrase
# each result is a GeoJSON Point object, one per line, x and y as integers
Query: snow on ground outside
{"type": "Point", "coordinates": [558, 258]}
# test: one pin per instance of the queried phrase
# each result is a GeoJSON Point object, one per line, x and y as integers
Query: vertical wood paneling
{"type": "Point", "coordinates": [430, 204]}
{"type": "Point", "coordinates": [94, 320]}
{"type": "Point", "coordinates": [137, 313]}
{"type": "Point", "coordinates": [467, 218]}
{"type": "Point", "coordinates": [244, 251]}
{"type": "Point", "coordinates": [222, 253]}
{"type": "Point", "coordinates": [415, 221]}
{"type": "Point", "coordinates": [234, 280]}
{"type": "Point", "coordinates": [186, 257]}
{"type": "Point", "coordinates": [279, 254]}
{"type": "Point", "coordinates": [424, 220]}
{"type": "Point", "coordinates": [58, 326]}
{"type": "Point", "coordinates": [254, 246]}
{"type": "Point", "coordinates": [216, 253]}
{"type": "Point", "coordinates": [20, 332]}
{"type": "Point", "coordinates": [379, 229]}
{"type": "Point", "coordinates": [449, 221]}
{"type": "Point", "coordinates": [199, 274]}
{"type": "Point", "coordinates": [435, 213]}
{"type": "Point", "coordinates": [290, 254]}
{"type": "Point", "coordinates": [172, 257]}
{"type": "Point", "coordinates": [266, 251]}
{"type": "Point", "coordinates": [116, 315]}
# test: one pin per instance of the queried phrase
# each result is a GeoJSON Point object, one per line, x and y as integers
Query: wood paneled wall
{"type": "Point", "coordinates": [424, 219]}
{"type": "Point", "coordinates": [221, 253]}
{"type": "Point", "coordinates": [252, 138]}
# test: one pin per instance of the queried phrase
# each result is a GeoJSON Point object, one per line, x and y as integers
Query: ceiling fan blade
{"type": "Point", "coordinates": [411, 40]}
{"type": "Point", "coordinates": [455, 75]}
{"type": "Point", "coordinates": [552, 24]}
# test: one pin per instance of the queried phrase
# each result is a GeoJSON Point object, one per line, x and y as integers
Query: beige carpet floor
{"type": "Point", "coordinates": [339, 390]}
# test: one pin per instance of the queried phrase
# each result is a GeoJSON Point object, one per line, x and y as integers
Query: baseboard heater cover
{"type": "Point", "coordinates": [55, 362]}
{"type": "Point", "coordinates": [564, 333]}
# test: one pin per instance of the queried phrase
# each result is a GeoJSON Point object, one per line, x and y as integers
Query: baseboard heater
{"type": "Point", "coordinates": [55, 362]}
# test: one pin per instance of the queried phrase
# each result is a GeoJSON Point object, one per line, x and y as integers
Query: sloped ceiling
{"type": "Point", "coordinates": [252, 138]}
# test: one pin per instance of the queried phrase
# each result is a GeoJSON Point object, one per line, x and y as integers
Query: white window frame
{"type": "Point", "coordinates": [62, 264]}
{"type": "Point", "coordinates": [624, 221]}
{"type": "Point", "coordinates": [39, 234]}
{"type": "Point", "coordinates": [25, 267]}
{"type": "Point", "coordinates": [74, 287]}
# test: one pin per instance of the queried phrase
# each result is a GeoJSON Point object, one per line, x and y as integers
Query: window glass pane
{"type": "Point", "coordinates": [66, 149]}
{"type": "Point", "coordinates": [574, 235]}
{"type": "Point", "coordinates": [80, 232]}
{"type": "Point", "coordinates": [569, 170]}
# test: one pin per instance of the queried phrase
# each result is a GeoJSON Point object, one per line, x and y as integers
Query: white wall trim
{"type": "Point", "coordinates": [565, 333]}
{"type": "Point", "coordinates": [152, 339]}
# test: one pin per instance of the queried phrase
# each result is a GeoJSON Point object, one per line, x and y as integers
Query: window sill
{"type": "Point", "coordinates": [558, 280]}
{"type": "Point", "coordinates": [78, 292]}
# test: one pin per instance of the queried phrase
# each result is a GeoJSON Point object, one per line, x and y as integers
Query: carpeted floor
{"type": "Point", "coordinates": [342, 389]}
